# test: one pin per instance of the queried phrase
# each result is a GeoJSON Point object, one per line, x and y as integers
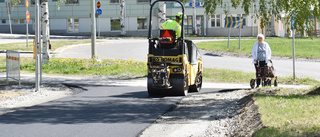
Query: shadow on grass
{"type": "Point", "coordinates": [315, 92]}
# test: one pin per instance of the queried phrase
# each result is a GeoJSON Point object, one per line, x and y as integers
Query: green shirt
{"type": "Point", "coordinates": [172, 25]}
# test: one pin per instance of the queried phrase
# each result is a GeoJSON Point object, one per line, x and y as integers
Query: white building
{"type": "Point", "coordinates": [73, 18]}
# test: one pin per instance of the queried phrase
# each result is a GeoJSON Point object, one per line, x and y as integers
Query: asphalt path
{"type": "Point", "coordinates": [101, 111]}
{"type": "Point", "coordinates": [137, 49]}
{"type": "Point", "coordinates": [123, 49]}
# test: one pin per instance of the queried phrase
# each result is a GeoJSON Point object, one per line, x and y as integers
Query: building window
{"type": "Point", "coordinates": [143, 1]}
{"type": "Point", "coordinates": [216, 20]}
{"type": "Point", "coordinates": [15, 21]}
{"type": "Point", "coordinates": [72, 2]}
{"type": "Point", "coordinates": [33, 2]}
{"type": "Point", "coordinates": [22, 21]}
{"type": "Point", "coordinates": [115, 24]}
{"type": "Point", "coordinates": [114, 1]}
{"type": "Point", "coordinates": [4, 21]}
{"type": "Point", "coordinates": [1, 0]}
{"type": "Point", "coordinates": [142, 23]}
{"type": "Point", "coordinates": [73, 25]}
{"type": "Point", "coordinates": [244, 23]}
{"type": "Point", "coordinates": [19, 2]}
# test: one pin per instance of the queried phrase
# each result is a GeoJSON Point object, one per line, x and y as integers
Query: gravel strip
{"type": "Point", "coordinates": [206, 115]}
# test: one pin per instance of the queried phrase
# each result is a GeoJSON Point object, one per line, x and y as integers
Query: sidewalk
{"type": "Point", "coordinates": [30, 36]}
{"type": "Point", "coordinates": [109, 81]}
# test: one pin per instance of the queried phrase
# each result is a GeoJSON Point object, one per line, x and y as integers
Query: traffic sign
{"type": "Point", "coordinates": [99, 11]}
{"type": "Point", "coordinates": [28, 16]}
{"type": "Point", "coordinates": [294, 16]}
{"type": "Point", "coordinates": [198, 4]}
{"type": "Point", "coordinates": [98, 5]}
{"type": "Point", "coordinates": [233, 22]}
{"type": "Point", "coordinates": [27, 3]}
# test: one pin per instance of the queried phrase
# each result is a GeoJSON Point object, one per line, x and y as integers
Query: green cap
{"type": "Point", "coordinates": [180, 16]}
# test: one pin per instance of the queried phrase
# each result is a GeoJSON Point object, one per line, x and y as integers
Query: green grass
{"type": "Point", "coordinates": [226, 76]}
{"type": "Point", "coordinates": [132, 68]}
{"type": "Point", "coordinates": [54, 44]}
{"type": "Point", "coordinates": [305, 48]}
{"type": "Point", "coordinates": [289, 112]}
{"type": "Point", "coordinates": [230, 76]}
{"type": "Point", "coordinates": [110, 67]}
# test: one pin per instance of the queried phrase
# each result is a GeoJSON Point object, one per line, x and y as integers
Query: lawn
{"type": "Point", "coordinates": [130, 68]}
{"type": "Point", "coordinates": [117, 68]}
{"type": "Point", "coordinates": [305, 48]}
{"type": "Point", "coordinates": [55, 44]}
{"type": "Point", "coordinates": [289, 112]}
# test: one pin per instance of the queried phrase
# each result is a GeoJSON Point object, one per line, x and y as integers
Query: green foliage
{"type": "Point", "coordinates": [264, 9]}
{"type": "Point", "coordinates": [15, 2]}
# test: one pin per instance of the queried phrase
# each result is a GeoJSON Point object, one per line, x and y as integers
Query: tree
{"type": "Point", "coordinates": [303, 12]}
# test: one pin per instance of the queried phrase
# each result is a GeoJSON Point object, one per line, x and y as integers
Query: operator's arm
{"type": "Point", "coordinates": [178, 32]}
{"type": "Point", "coordinates": [163, 25]}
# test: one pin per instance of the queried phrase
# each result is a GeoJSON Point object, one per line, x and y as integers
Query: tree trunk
{"type": "Point", "coordinates": [45, 30]}
{"type": "Point", "coordinates": [122, 16]}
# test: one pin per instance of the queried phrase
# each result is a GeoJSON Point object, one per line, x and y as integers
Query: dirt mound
{"type": "Point", "coordinates": [248, 120]}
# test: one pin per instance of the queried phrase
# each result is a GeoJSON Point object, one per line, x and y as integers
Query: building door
{"type": "Point", "coordinates": [268, 29]}
{"type": "Point", "coordinates": [188, 25]}
{"type": "Point", "coordinates": [73, 25]}
{"type": "Point", "coordinates": [200, 25]}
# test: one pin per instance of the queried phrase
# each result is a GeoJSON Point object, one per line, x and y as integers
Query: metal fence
{"type": "Point", "coordinates": [13, 65]}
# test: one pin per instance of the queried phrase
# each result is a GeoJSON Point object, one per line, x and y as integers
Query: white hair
{"type": "Point", "coordinates": [260, 35]}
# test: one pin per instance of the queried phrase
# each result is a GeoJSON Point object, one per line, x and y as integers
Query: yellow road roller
{"type": "Point", "coordinates": [174, 64]}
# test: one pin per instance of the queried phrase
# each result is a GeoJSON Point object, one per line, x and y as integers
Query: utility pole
{"type": "Point", "coordinates": [194, 17]}
{"type": "Point", "coordinates": [45, 30]}
{"type": "Point", "coordinates": [122, 16]}
{"type": "Point", "coordinates": [27, 22]}
{"type": "Point", "coordinates": [293, 55]}
{"type": "Point", "coordinates": [8, 5]}
{"type": "Point", "coordinates": [93, 29]}
{"type": "Point", "coordinates": [294, 16]}
{"type": "Point", "coordinates": [38, 46]}
{"type": "Point", "coordinates": [161, 13]}
{"type": "Point", "coordinates": [273, 31]}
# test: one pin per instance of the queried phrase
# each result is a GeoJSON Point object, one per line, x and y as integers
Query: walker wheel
{"type": "Point", "coordinates": [269, 82]}
{"type": "Point", "coordinates": [252, 83]}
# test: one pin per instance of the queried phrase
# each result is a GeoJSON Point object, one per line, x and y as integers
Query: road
{"type": "Point", "coordinates": [137, 49]}
{"type": "Point", "coordinates": [101, 111]}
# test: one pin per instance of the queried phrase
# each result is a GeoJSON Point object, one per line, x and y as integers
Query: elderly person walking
{"type": "Point", "coordinates": [261, 54]}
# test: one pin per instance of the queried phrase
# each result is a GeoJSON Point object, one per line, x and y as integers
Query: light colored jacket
{"type": "Point", "coordinates": [255, 51]}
